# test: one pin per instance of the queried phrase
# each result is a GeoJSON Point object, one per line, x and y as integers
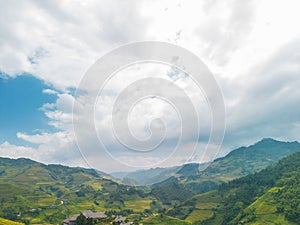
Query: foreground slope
{"type": "Point", "coordinates": [270, 196]}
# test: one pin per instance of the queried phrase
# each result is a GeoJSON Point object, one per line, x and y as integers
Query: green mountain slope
{"type": "Point", "coordinates": [37, 193]}
{"type": "Point", "coordinates": [238, 163]}
{"type": "Point", "coordinates": [246, 160]}
{"type": "Point", "coordinates": [270, 196]}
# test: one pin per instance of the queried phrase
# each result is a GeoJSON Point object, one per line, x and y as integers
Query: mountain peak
{"type": "Point", "coordinates": [268, 141]}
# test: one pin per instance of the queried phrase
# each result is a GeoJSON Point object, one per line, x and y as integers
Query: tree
{"type": "Point", "coordinates": [90, 221]}
{"type": "Point", "coordinates": [81, 220]}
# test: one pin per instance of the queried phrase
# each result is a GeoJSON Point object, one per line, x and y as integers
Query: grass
{"type": "Point", "coordinates": [138, 205]}
{"type": "Point", "coordinates": [199, 215]}
{"type": "Point", "coordinates": [265, 204]}
{"type": "Point", "coordinates": [9, 222]}
{"type": "Point", "coordinates": [46, 201]}
{"type": "Point", "coordinates": [204, 207]}
{"type": "Point", "coordinates": [272, 219]}
{"type": "Point", "coordinates": [265, 209]}
{"type": "Point", "coordinates": [95, 184]}
{"type": "Point", "coordinates": [208, 197]}
{"type": "Point", "coordinates": [163, 220]}
{"type": "Point", "coordinates": [82, 206]}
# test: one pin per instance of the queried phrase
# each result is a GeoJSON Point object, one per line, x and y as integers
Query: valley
{"type": "Point", "coordinates": [249, 185]}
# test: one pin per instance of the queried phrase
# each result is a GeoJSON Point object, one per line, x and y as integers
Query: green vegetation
{"type": "Point", "coordinates": [34, 193]}
{"type": "Point", "coordinates": [198, 208]}
{"type": "Point", "coordinates": [270, 196]}
{"type": "Point", "coordinates": [276, 188]}
{"type": "Point", "coordinates": [171, 192]}
{"type": "Point", "coordinates": [194, 179]}
{"type": "Point", "coordinates": [9, 222]}
{"type": "Point", "coordinates": [163, 220]}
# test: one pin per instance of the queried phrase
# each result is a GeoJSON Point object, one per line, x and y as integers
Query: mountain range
{"type": "Point", "coordinates": [35, 193]}
{"type": "Point", "coordinates": [190, 179]}
{"type": "Point", "coordinates": [239, 162]}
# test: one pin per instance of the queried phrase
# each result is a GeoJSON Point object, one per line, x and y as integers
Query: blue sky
{"type": "Point", "coordinates": [21, 101]}
{"type": "Point", "coordinates": [251, 47]}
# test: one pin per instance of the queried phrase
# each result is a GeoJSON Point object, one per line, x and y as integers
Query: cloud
{"type": "Point", "coordinates": [13, 151]}
{"type": "Point", "coordinates": [60, 113]}
{"type": "Point", "coordinates": [59, 147]}
{"type": "Point", "coordinates": [252, 51]}
{"type": "Point", "coordinates": [139, 119]}
{"type": "Point", "coordinates": [57, 41]}
{"type": "Point", "coordinates": [266, 104]}
{"type": "Point", "coordinates": [50, 91]}
{"type": "Point", "coordinates": [223, 33]}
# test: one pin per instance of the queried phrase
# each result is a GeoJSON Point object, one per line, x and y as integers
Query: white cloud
{"type": "Point", "coordinates": [266, 104]}
{"type": "Point", "coordinates": [57, 41]}
{"type": "Point", "coordinates": [60, 112]}
{"type": "Point", "coordinates": [13, 151]}
{"type": "Point", "coordinates": [50, 91]}
{"type": "Point", "coordinates": [59, 147]}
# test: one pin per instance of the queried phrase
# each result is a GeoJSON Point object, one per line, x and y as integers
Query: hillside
{"type": "Point", "coordinates": [37, 193]}
{"type": "Point", "coordinates": [238, 163]}
{"type": "Point", "coordinates": [270, 196]}
{"type": "Point", "coordinates": [246, 160]}
{"type": "Point", "coordinates": [31, 192]}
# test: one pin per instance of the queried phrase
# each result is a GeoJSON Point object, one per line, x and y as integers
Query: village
{"type": "Point", "coordinates": [90, 218]}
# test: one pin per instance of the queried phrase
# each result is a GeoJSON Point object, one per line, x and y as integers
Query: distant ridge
{"type": "Point", "coordinates": [19, 162]}
{"type": "Point", "coordinates": [239, 162]}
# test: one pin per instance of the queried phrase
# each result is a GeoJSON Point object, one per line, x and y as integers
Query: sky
{"type": "Point", "coordinates": [252, 48]}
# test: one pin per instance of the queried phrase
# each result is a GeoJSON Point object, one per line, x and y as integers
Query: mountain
{"type": "Point", "coordinates": [270, 196]}
{"type": "Point", "coordinates": [246, 160]}
{"type": "Point", "coordinates": [34, 193]}
{"type": "Point", "coordinates": [238, 163]}
{"type": "Point", "coordinates": [146, 177]}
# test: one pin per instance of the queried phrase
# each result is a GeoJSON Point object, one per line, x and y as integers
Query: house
{"type": "Point", "coordinates": [71, 221]}
{"type": "Point", "coordinates": [120, 219]}
{"type": "Point", "coordinates": [87, 214]}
